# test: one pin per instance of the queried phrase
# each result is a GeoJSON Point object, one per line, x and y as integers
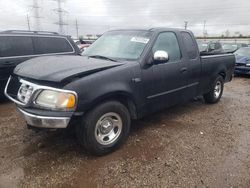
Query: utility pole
{"type": "Point", "coordinates": [204, 29]}
{"type": "Point", "coordinates": [36, 9]}
{"type": "Point", "coordinates": [186, 24]}
{"type": "Point", "coordinates": [77, 32]}
{"type": "Point", "coordinates": [60, 11]}
{"type": "Point", "coordinates": [28, 22]}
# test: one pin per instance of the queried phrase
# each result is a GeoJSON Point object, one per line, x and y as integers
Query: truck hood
{"type": "Point", "coordinates": [61, 68]}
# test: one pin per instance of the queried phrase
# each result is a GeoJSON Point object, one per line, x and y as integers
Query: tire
{"type": "Point", "coordinates": [214, 95]}
{"type": "Point", "coordinates": [111, 119]}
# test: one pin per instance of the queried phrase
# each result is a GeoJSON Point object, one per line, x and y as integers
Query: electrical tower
{"type": "Point", "coordinates": [204, 29]}
{"type": "Point", "coordinates": [36, 15]}
{"type": "Point", "coordinates": [60, 11]}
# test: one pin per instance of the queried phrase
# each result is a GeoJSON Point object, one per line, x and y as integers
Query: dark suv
{"type": "Point", "coordinates": [18, 46]}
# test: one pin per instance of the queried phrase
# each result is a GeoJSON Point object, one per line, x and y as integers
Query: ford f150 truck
{"type": "Point", "coordinates": [124, 75]}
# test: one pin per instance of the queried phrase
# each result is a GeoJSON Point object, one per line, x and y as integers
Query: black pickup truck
{"type": "Point", "coordinates": [124, 75]}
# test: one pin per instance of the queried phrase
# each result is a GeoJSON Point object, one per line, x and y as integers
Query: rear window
{"type": "Point", "coordinates": [48, 45]}
{"type": "Point", "coordinates": [190, 45]}
{"type": "Point", "coordinates": [15, 46]}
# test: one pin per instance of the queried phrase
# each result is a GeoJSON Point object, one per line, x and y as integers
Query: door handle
{"type": "Point", "coordinates": [184, 69]}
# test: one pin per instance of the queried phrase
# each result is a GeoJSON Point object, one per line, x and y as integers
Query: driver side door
{"type": "Point", "coordinates": [168, 80]}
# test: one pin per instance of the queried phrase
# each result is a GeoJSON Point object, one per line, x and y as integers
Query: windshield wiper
{"type": "Point", "coordinates": [102, 57]}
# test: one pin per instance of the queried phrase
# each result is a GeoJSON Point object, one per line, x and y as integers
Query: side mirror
{"type": "Point", "coordinates": [161, 56]}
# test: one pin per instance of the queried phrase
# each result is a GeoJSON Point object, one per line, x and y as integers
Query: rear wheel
{"type": "Point", "coordinates": [104, 128]}
{"type": "Point", "coordinates": [214, 95]}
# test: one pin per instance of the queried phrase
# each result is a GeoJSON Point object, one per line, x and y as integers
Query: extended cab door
{"type": "Point", "coordinates": [165, 84]}
{"type": "Point", "coordinates": [192, 58]}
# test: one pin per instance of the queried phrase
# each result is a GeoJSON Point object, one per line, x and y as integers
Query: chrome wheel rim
{"type": "Point", "coordinates": [217, 89]}
{"type": "Point", "coordinates": [108, 128]}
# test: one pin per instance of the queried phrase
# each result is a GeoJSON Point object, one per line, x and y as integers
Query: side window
{"type": "Point", "coordinates": [190, 45]}
{"type": "Point", "coordinates": [15, 46]}
{"type": "Point", "coordinates": [48, 45]}
{"type": "Point", "coordinates": [212, 46]}
{"type": "Point", "coordinates": [167, 41]}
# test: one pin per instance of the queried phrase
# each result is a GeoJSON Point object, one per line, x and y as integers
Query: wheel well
{"type": "Point", "coordinates": [124, 99]}
{"type": "Point", "coordinates": [223, 74]}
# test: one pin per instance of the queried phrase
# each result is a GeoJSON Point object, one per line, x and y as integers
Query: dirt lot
{"type": "Point", "coordinates": [194, 145]}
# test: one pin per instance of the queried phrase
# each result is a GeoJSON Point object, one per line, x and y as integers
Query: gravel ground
{"type": "Point", "coordinates": [193, 145]}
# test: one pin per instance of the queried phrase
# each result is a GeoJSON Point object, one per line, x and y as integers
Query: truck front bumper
{"type": "Point", "coordinates": [45, 121]}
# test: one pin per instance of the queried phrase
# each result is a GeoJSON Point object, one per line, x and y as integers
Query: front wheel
{"type": "Point", "coordinates": [214, 95]}
{"type": "Point", "coordinates": [104, 128]}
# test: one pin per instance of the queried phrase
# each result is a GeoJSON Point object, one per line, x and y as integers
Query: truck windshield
{"type": "Point", "coordinates": [124, 45]}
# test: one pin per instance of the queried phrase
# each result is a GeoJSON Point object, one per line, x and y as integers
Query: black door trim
{"type": "Point", "coordinates": [173, 90]}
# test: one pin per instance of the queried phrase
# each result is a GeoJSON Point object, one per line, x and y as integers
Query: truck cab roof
{"type": "Point", "coordinates": [155, 29]}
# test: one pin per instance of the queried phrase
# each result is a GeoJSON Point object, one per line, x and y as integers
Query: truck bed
{"type": "Point", "coordinates": [213, 65]}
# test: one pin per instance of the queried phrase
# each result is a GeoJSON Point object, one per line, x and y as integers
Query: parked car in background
{"type": "Point", "coordinates": [84, 44]}
{"type": "Point", "coordinates": [17, 46]}
{"type": "Point", "coordinates": [241, 45]}
{"type": "Point", "coordinates": [124, 75]}
{"type": "Point", "coordinates": [210, 47]}
{"type": "Point", "coordinates": [242, 65]}
{"type": "Point", "coordinates": [232, 47]}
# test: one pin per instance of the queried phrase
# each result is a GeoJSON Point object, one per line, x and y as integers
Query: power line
{"type": "Point", "coordinates": [161, 11]}
{"type": "Point", "coordinates": [163, 2]}
{"type": "Point", "coordinates": [176, 9]}
{"type": "Point", "coordinates": [177, 24]}
{"type": "Point", "coordinates": [191, 13]}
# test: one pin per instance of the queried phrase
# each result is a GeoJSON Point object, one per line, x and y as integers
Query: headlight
{"type": "Point", "coordinates": [56, 100]}
{"type": "Point", "coordinates": [248, 64]}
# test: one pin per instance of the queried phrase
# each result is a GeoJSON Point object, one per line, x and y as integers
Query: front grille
{"type": "Point", "coordinates": [13, 87]}
{"type": "Point", "coordinates": [20, 91]}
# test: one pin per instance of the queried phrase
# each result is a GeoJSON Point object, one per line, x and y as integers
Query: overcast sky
{"type": "Point", "coordinates": [98, 16]}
